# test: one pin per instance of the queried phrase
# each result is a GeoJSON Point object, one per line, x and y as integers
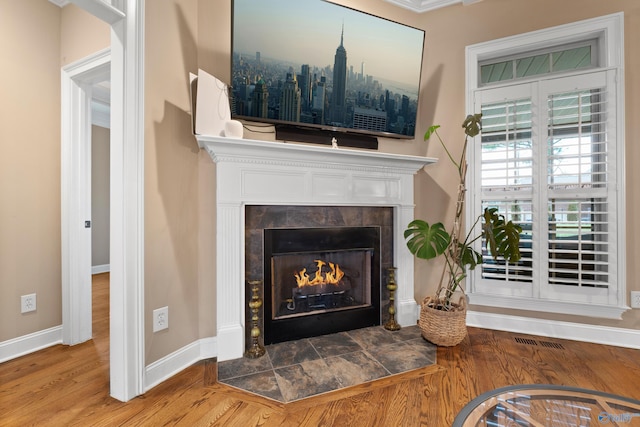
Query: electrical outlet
{"type": "Point", "coordinates": [635, 299]}
{"type": "Point", "coordinates": [160, 319]}
{"type": "Point", "coordinates": [27, 303]}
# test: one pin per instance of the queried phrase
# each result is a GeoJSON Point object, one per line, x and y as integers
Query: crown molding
{"type": "Point", "coordinates": [421, 6]}
{"type": "Point", "coordinates": [60, 3]}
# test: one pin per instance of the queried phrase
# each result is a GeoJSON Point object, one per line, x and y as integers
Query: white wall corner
{"type": "Point", "coordinates": [179, 360]}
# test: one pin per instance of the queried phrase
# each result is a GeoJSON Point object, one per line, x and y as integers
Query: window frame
{"type": "Point", "coordinates": [609, 32]}
{"type": "Point", "coordinates": [593, 43]}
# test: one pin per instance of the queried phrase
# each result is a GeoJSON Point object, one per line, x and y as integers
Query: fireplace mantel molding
{"type": "Point", "coordinates": [252, 172]}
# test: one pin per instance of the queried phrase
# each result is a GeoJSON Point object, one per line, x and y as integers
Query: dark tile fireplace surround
{"type": "Point", "coordinates": [259, 217]}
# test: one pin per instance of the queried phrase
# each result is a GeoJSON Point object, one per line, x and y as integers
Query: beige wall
{"type": "Point", "coordinates": [35, 43]}
{"type": "Point", "coordinates": [29, 165]}
{"type": "Point", "coordinates": [100, 175]}
{"type": "Point", "coordinates": [81, 34]}
{"type": "Point", "coordinates": [171, 176]}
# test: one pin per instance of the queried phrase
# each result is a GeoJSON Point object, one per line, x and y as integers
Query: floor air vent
{"type": "Point", "coordinates": [551, 345]}
{"type": "Point", "coordinates": [548, 344]}
{"type": "Point", "coordinates": [525, 341]}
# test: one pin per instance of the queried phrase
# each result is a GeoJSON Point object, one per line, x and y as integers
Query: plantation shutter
{"type": "Point", "coordinates": [545, 159]}
{"type": "Point", "coordinates": [507, 178]}
{"type": "Point", "coordinates": [580, 187]}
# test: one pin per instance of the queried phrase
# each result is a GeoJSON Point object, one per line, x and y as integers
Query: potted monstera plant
{"type": "Point", "coordinates": [443, 314]}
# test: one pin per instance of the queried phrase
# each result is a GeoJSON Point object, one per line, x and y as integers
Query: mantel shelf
{"type": "Point", "coordinates": [225, 149]}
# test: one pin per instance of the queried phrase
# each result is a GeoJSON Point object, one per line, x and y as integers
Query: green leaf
{"type": "Point", "coordinates": [426, 241]}
{"type": "Point", "coordinates": [472, 124]}
{"type": "Point", "coordinates": [430, 131]}
{"type": "Point", "coordinates": [508, 239]}
{"type": "Point", "coordinates": [503, 238]}
{"type": "Point", "coordinates": [469, 258]}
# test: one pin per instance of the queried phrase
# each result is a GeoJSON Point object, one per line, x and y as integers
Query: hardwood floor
{"type": "Point", "coordinates": [69, 386]}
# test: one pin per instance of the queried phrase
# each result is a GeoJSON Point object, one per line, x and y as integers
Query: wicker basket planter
{"type": "Point", "coordinates": [443, 328]}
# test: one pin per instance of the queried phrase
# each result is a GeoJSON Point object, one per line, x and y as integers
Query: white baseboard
{"type": "Point", "coordinates": [179, 360]}
{"type": "Point", "coordinates": [97, 269]}
{"type": "Point", "coordinates": [619, 337]}
{"type": "Point", "coordinates": [31, 343]}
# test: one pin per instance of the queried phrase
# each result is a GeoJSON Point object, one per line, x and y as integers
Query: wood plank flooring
{"type": "Point", "coordinates": [69, 386]}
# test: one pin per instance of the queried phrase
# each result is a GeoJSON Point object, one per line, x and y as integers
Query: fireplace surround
{"type": "Point", "coordinates": [251, 172]}
{"type": "Point", "coordinates": [323, 228]}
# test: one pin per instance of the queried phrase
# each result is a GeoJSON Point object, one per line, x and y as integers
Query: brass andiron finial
{"type": "Point", "coordinates": [391, 324]}
{"type": "Point", "coordinates": [256, 350]}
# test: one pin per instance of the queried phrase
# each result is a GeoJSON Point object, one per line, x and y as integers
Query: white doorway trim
{"type": "Point", "coordinates": [127, 202]}
{"type": "Point", "coordinates": [77, 80]}
{"type": "Point", "coordinates": [126, 347]}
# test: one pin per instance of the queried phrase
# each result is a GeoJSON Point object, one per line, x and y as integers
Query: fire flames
{"type": "Point", "coordinates": [331, 277]}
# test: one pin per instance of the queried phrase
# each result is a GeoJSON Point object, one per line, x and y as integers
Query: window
{"type": "Point", "coordinates": [551, 60]}
{"type": "Point", "coordinates": [550, 157]}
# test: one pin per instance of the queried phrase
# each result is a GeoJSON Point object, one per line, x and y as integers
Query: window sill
{"type": "Point", "coordinates": [549, 306]}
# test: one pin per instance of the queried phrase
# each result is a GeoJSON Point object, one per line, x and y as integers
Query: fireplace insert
{"type": "Point", "coordinates": [320, 281]}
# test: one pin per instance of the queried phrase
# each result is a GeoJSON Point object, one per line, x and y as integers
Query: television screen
{"type": "Point", "coordinates": [316, 64]}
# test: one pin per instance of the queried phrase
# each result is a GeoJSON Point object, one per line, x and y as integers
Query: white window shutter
{"type": "Point", "coordinates": [581, 258]}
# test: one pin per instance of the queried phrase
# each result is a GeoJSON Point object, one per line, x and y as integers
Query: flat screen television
{"type": "Point", "coordinates": [319, 66]}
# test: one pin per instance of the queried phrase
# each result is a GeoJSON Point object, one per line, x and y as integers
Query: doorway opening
{"type": "Point", "coordinates": [126, 340]}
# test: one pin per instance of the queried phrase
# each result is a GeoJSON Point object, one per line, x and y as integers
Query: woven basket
{"type": "Point", "coordinates": [443, 328]}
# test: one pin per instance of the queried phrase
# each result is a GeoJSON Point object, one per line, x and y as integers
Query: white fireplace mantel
{"type": "Point", "coordinates": [251, 172]}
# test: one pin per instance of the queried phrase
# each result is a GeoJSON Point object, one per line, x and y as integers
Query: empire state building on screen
{"type": "Point", "coordinates": [338, 104]}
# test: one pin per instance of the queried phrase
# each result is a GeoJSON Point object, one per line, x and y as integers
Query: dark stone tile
{"type": "Point", "coordinates": [372, 337]}
{"type": "Point", "coordinates": [386, 248]}
{"type": "Point", "coordinates": [263, 383]}
{"type": "Point", "coordinates": [423, 345]}
{"type": "Point", "coordinates": [243, 366]}
{"type": "Point", "coordinates": [258, 217]}
{"type": "Point", "coordinates": [407, 333]}
{"type": "Point", "coordinates": [254, 254]}
{"type": "Point", "coordinates": [352, 215]}
{"type": "Point", "coordinates": [355, 368]}
{"type": "Point", "coordinates": [405, 356]}
{"type": "Point", "coordinates": [377, 216]}
{"type": "Point", "coordinates": [291, 353]}
{"type": "Point", "coordinates": [334, 344]}
{"type": "Point", "coordinates": [306, 379]}
{"type": "Point", "coordinates": [313, 216]}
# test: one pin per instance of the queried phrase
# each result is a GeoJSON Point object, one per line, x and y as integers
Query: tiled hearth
{"type": "Point", "coordinates": [299, 369]}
